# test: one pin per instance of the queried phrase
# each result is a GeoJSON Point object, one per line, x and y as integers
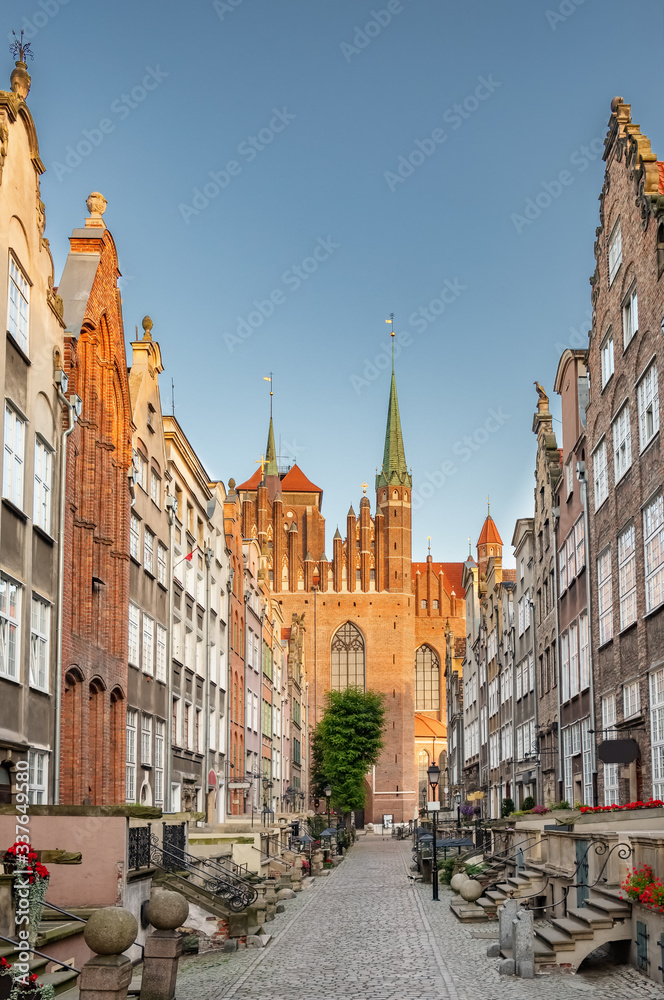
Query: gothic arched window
{"type": "Point", "coordinates": [347, 658]}
{"type": "Point", "coordinates": [427, 680]}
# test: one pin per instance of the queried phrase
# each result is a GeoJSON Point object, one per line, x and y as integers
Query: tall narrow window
{"type": "Point", "coordinates": [159, 740]}
{"type": "Point", "coordinates": [580, 542]}
{"type": "Point", "coordinates": [132, 717]}
{"type": "Point", "coordinates": [604, 596]}
{"type": "Point", "coordinates": [18, 309]}
{"type": "Point", "coordinates": [622, 443]}
{"type": "Point", "coordinates": [10, 631]}
{"type": "Point", "coordinates": [647, 398]}
{"type": "Point", "coordinates": [657, 732]}
{"type": "Point", "coordinates": [146, 739]}
{"type": "Point", "coordinates": [134, 536]}
{"type": "Point", "coordinates": [427, 680]}
{"type": "Point", "coordinates": [611, 777]}
{"type": "Point", "coordinates": [148, 551]}
{"type": "Point", "coordinates": [40, 618]}
{"type": "Point", "coordinates": [630, 316]}
{"type": "Point", "coordinates": [347, 658]}
{"type": "Point", "coordinates": [134, 619]}
{"type": "Point", "coordinates": [653, 538]}
{"type": "Point", "coordinates": [41, 513]}
{"type": "Point", "coordinates": [606, 357]}
{"type": "Point", "coordinates": [584, 657]}
{"type": "Point", "coordinates": [564, 660]}
{"type": "Point", "coordinates": [162, 564]}
{"type": "Point", "coordinates": [600, 474]}
{"type": "Point", "coordinates": [37, 777]}
{"type": "Point", "coordinates": [148, 645]}
{"type": "Point", "coordinates": [573, 661]}
{"type": "Point", "coordinates": [631, 699]}
{"type": "Point", "coordinates": [155, 487]}
{"type": "Point", "coordinates": [162, 635]}
{"type": "Point", "coordinates": [627, 577]}
{"type": "Point", "coordinates": [14, 458]}
{"type": "Point", "coordinates": [615, 252]}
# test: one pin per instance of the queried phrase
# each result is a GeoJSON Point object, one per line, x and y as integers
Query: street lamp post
{"type": "Point", "coordinates": [458, 805]}
{"type": "Point", "coordinates": [434, 777]}
{"type": "Point", "coordinates": [328, 792]}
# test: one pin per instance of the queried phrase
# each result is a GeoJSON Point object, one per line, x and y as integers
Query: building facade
{"type": "Point", "coordinates": [526, 763]}
{"type": "Point", "coordinates": [31, 382]}
{"type": "Point", "coordinates": [626, 506]}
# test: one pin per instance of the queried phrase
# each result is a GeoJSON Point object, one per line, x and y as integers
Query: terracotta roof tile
{"type": "Point", "coordinates": [251, 484]}
{"type": "Point", "coordinates": [489, 533]}
{"type": "Point", "coordinates": [295, 481]}
{"type": "Point", "coordinates": [660, 167]}
{"type": "Point", "coordinates": [452, 575]}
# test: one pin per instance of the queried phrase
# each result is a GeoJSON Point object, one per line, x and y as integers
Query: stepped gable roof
{"type": "Point", "coordinates": [489, 534]}
{"type": "Point", "coordinates": [295, 481]}
{"type": "Point", "coordinates": [452, 575]}
{"type": "Point", "coordinates": [427, 728]}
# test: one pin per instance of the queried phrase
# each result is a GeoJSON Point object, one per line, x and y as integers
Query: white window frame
{"type": "Point", "coordinates": [18, 304]}
{"type": "Point", "coordinates": [148, 551]}
{"type": "Point", "coordinates": [147, 645]}
{"type": "Point", "coordinates": [647, 399]}
{"type": "Point", "coordinates": [653, 543]}
{"type": "Point", "coordinates": [134, 536]}
{"type": "Point", "coordinates": [10, 628]}
{"type": "Point", "coordinates": [570, 550]}
{"type": "Point", "coordinates": [43, 484]}
{"type": "Point", "coordinates": [13, 476]}
{"type": "Point", "coordinates": [564, 665]}
{"type": "Point", "coordinates": [562, 568]}
{"type": "Point", "coordinates": [622, 442]}
{"type": "Point", "coordinates": [133, 635]}
{"type": "Point", "coordinates": [614, 252]}
{"type": "Point", "coordinates": [155, 487]}
{"type": "Point", "coordinates": [607, 360]}
{"type": "Point", "coordinates": [600, 474]}
{"type": "Point", "coordinates": [627, 576]}
{"type": "Point", "coordinates": [657, 731]}
{"type": "Point", "coordinates": [38, 777]}
{"type": "Point", "coordinates": [631, 699]}
{"type": "Point", "coordinates": [584, 653]}
{"type": "Point", "coordinates": [130, 765]}
{"type": "Point", "coordinates": [161, 653]}
{"type": "Point", "coordinates": [146, 739]}
{"type": "Point", "coordinates": [162, 564]}
{"type": "Point", "coordinates": [40, 635]}
{"type": "Point", "coordinates": [580, 544]}
{"type": "Point", "coordinates": [604, 596]}
{"type": "Point", "coordinates": [630, 316]}
{"type": "Point", "coordinates": [159, 750]}
{"type": "Point", "coordinates": [573, 660]}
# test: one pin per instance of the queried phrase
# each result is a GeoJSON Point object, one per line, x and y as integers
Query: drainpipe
{"type": "Point", "coordinates": [581, 474]}
{"type": "Point", "coordinates": [206, 755]}
{"type": "Point", "coordinates": [306, 732]}
{"type": "Point", "coordinates": [171, 510]}
{"type": "Point", "coordinates": [558, 678]}
{"type": "Point", "coordinates": [73, 404]}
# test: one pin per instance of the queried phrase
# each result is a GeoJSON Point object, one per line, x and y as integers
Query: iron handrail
{"type": "Point", "coordinates": [271, 857]}
{"type": "Point", "coordinates": [42, 954]}
{"type": "Point", "coordinates": [238, 892]}
{"type": "Point", "coordinates": [513, 857]}
{"type": "Point", "coordinates": [52, 906]}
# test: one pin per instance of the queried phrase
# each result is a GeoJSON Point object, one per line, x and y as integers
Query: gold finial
{"type": "Point", "coordinates": [488, 507]}
{"type": "Point", "coordinates": [268, 378]}
{"type": "Point", "coordinates": [470, 547]}
{"type": "Point", "coordinates": [261, 461]}
{"type": "Point", "coordinates": [147, 328]}
{"type": "Point", "coordinates": [429, 543]}
{"type": "Point", "coordinates": [365, 487]}
{"type": "Point", "coordinates": [20, 78]}
{"type": "Point", "coordinates": [391, 320]}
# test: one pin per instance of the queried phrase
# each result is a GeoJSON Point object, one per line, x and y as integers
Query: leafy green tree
{"type": "Point", "coordinates": [346, 744]}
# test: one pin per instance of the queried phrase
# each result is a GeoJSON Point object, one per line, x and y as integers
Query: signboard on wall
{"type": "Point", "coordinates": [618, 751]}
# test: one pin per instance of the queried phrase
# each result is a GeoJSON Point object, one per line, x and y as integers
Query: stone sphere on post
{"type": "Point", "coordinates": [167, 910]}
{"type": "Point", "coordinates": [110, 931]}
{"type": "Point", "coordinates": [458, 880]}
{"type": "Point", "coordinates": [471, 890]}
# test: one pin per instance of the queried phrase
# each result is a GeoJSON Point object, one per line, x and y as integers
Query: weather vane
{"type": "Point", "coordinates": [268, 378]}
{"type": "Point", "coordinates": [19, 48]}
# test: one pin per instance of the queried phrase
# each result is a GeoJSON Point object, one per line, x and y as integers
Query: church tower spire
{"type": "Point", "coordinates": [271, 468]}
{"type": "Point", "coordinates": [393, 500]}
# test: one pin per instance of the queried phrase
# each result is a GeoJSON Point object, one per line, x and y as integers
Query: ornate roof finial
{"type": "Point", "coordinates": [391, 320]}
{"type": "Point", "coordinates": [20, 78]}
{"type": "Point", "coordinates": [429, 543]}
{"type": "Point", "coordinates": [268, 378]}
{"type": "Point", "coordinates": [488, 507]}
{"type": "Point", "coordinates": [365, 487]}
{"type": "Point", "coordinates": [96, 205]}
{"type": "Point", "coordinates": [147, 327]}
{"type": "Point", "coordinates": [470, 547]}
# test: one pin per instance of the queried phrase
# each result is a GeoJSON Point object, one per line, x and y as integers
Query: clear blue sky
{"type": "Point", "coordinates": [333, 114]}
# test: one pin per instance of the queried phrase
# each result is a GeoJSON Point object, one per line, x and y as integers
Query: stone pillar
{"type": "Point", "coordinates": [270, 898]}
{"type": "Point", "coordinates": [524, 944]}
{"type": "Point", "coordinates": [108, 932]}
{"type": "Point", "coordinates": [166, 911]}
{"type": "Point", "coordinates": [506, 917]}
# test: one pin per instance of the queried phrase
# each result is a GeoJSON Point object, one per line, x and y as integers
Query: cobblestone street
{"type": "Point", "coordinates": [366, 932]}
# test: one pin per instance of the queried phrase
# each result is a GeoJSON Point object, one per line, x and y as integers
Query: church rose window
{"type": "Point", "coordinates": [347, 658]}
{"type": "Point", "coordinates": [427, 680]}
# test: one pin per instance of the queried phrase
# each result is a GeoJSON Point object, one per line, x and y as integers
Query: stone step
{"type": "Point", "coordinates": [542, 952]}
{"type": "Point", "coordinates": [612, 907]}
{"type": "Point", "coordinates": [519, 881]}
{"type": "Point", "coordinates": [61, 982]}
{"type": "Point", "coordinates": [593, 918]}
{"type": "Point", "coordinates": [495, 895]}
{"type": "Point", "coordinates": [557, 940]}
{"type": "Point", "coordinates": [575, 928]}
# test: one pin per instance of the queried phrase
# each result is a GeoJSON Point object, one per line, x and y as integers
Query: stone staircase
{"type": "Point", "coordinates": [525, 882]}
{"type": "Point", "coordinates": [179, 882]}
{"type": "Point", "coordinates": [49, 932]}
{"type": "Point", "coordinates": [564, 942]}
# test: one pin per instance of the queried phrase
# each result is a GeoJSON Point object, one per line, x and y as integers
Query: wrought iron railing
{"type": "Point", "coordinates": [234, 891]}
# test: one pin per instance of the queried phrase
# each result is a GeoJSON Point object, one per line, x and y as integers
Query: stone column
{"type": "Point", "coordinates": [166, 911]}
{"type": "Point", "coordinates": [506, 917]}
{"type": "Point", "coordinates": [524, 944]}
{"type": "Point", "coordinates": [270, 898]}
{"type": "Point", "coordinates": [108, 932]}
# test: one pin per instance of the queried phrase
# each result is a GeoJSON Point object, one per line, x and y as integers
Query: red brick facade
{"type": "Point", "coordinates": [97, 529]}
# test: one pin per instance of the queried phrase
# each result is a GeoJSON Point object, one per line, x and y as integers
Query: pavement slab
{"type": "Point", "coordinates": [367, 932]}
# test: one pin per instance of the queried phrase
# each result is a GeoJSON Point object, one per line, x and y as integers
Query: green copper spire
{"type": "Point", "coordinates": [271, 454]}
{"type": "Point", "coordinates": [394, 468]}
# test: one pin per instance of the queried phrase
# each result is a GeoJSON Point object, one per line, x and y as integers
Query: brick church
{"type": "Point", "coordinates": [373, 618]}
